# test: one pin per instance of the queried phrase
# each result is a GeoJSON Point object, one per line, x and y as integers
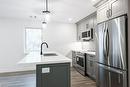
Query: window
{"type": "Point", "coordinates": [33, 39]}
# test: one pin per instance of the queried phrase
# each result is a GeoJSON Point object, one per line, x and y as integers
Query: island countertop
{"type": "Point", "coordinates": [36, 58]}
{"type": "Point", "coordinates": [30, 61]}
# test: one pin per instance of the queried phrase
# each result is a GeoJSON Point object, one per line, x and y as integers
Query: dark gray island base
{"type": "Point", "coordinates": [53, 75]}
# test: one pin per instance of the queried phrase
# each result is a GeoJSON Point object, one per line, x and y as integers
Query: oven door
{"type": "Point", "coordinates": [80, 62]}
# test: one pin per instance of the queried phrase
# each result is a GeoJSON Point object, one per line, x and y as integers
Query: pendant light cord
{"type": "Point", "coordinates": [46, 5]}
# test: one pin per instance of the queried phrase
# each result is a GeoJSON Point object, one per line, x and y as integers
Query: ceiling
{"type": "Point", "coordinates": [61, 10]}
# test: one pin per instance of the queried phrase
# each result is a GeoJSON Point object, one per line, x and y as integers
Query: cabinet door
{"type": "Point", "coordinates": [91, 22]}
{"type": "Point", "coordinates": [95, 21]}
{"type": "Point", "coordinates": [102, 13]}
{"type": "Point", "coordinates": [73, 58]}
{"type": "Point", "coordinates": [94, 70]}
{"type": "Point", "coordinates": [53, 75]}
{"type": "Point", "coordinates": [88, 68]}
{"type": "Point", "coordinates": [79, 35]}
{"type": "Point", "coordinates": [117, 8]}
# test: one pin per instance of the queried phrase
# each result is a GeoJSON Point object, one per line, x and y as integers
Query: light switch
{"type": "Point", "coordinates": [46, 70]}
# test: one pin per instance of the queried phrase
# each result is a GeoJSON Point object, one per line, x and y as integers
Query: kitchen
{"type": "Point", "coordinates": [77, 38]}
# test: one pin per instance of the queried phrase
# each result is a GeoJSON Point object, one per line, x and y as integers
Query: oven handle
{"type": "Point", "coordinates": [77, 58]}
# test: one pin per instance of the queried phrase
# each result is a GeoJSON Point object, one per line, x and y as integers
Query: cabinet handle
{"type": "Point", "coordinates": [107, 13]}
{"type": "Point", "coordinates": [79, 37]}
{"type": "Point", "coordinates": [77, 59]}
{"type": "Point", "coordinates": [110, 12]}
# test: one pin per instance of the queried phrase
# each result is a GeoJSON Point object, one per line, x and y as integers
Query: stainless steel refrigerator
{"type": "Point", "coordinates": [112, 53]}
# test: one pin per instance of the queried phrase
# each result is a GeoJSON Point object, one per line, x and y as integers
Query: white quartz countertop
{"type": "Point", "coordinates": [87, 52]}
{"type": "Point", "coordinates": [30, 61]}
{"type": "Point", "coordinates": [36, 58]}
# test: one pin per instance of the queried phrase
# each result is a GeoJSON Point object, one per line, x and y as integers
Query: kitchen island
{"type": "Point", "coordinates": [52, 68]}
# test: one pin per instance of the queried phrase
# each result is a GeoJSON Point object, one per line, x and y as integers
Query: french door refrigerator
{"type": "Point", "coordinates": [112, 53]}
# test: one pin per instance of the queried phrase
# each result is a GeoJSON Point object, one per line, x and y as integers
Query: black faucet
{"type": "Point", "coordinates": [42, 45]}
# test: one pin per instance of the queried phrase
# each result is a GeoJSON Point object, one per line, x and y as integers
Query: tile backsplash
{"type": "Point", "coordinates": [89, 46]}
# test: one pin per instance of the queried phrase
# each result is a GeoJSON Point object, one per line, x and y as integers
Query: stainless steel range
{"type": "Point", "coordinates": [79, 62]}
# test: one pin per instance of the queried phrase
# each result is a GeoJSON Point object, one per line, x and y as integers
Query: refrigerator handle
{"type": "Point", "coordinates": [104, 42]}
{"type": "Point", "coordinates": [107, 42]}
{"type": "Point", "coordinates": [111, 69]}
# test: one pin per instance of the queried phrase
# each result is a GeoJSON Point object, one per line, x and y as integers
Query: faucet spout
{"type": "Point", "coordinates": [42, 47]}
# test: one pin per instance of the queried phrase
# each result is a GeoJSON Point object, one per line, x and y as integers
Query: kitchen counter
{"type": "Point", "coordinates": [30, 61]}
{"type": "Point", "coordinates": [36, 58]}
{"type": "Point", "coordinates": [87, 52]}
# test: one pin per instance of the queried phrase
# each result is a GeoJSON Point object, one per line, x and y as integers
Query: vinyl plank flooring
{"type": "Point", "coordinates": [77, 80]}
{"type": "Point", "coordinates": [29, 80]}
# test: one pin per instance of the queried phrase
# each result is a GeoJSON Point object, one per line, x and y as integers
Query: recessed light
{"type": "Point", "coordinates": [93, 0]}
{"type": "Point", "coordinates": [70, 19]}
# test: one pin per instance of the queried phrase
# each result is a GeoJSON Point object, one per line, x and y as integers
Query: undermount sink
{"type": "Point", "coordinates": [50, 54]}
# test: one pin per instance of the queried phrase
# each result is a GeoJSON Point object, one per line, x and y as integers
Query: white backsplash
{"type": "Point", "coordinates": [88, 46]}
{"type": "Point", "coordinates": [84, 46]}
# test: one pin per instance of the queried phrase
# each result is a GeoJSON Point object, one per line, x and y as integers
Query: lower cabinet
{"type": "Point", "coordinates": [91, 69]}
{"type": "Point", "coordinates": [91, 66]}
{"type": "Point", "coordinates": [53, 75]}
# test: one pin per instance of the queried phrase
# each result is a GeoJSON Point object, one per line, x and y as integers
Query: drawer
{"type": "Point", "coordinates": [90, 57]}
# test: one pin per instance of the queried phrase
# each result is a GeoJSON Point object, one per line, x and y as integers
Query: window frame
{"type": "Point", "coordinates": [25, 39]}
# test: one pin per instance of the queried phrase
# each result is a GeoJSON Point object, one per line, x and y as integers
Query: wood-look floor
{"type": "Point", "coordinates": [77, 80]}
{"type": "Point", "coordinates": [29, 80]}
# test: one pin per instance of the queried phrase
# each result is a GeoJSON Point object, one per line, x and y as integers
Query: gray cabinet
{"type": "Point", "coordinates": [53, 75]}
{"type": "Point", "coordinates": [86, 24]}
{"type": "Point", "coordinates": [102, 13]}
{"type": "Point", "coordinates": [97, 3]}
{"type": "Point", "coordinates": [91, 66]}
{"type": "Point", "coordinates": [117, 8]}
{"type": "Point", "coordinates": [111, 9]}
{"type": "Point", "coordinates": [73, 58]}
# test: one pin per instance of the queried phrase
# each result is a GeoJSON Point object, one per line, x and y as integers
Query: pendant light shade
{"type": "Point", "coordinates": [44, 24]}
{"type": "Point", "coordinates": [46, 14]}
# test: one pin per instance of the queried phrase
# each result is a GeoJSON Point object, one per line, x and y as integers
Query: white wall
{"type": "Point", "coordinates": [59, 36]}
{"type": "Point", "coordinates": [11, 42]}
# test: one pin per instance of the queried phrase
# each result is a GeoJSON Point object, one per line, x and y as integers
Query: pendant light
{"type": "Point", "coordinates": [44, 25]}
{"type": "Point", "coordinates": [46, 12]}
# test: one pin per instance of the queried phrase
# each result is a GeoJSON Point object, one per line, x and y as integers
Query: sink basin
{"type": "Point", "coordinates": [50, 54]}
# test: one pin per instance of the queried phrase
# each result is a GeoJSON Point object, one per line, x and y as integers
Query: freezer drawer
{"type": "Point", "coordinates": [110, 77]}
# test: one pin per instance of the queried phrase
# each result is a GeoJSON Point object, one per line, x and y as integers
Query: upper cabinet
{"type": "Point", "coordinates": [117, 8]}
{"type": "Point", "coordinates": [102, 13]}
{"type": "Point", "coordinates": [111, 9]}
{"type": "Point", "coordinates": [85, 25]}
{"type": "Point", "coordinates": [97, 3]}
